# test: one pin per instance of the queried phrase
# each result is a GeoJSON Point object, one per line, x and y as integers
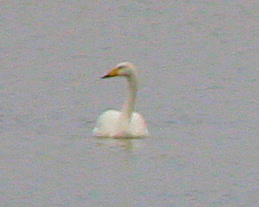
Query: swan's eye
{"type": "Point", "coordinates": [120, 67]}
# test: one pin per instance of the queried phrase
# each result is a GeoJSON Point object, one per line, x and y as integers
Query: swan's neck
{"type": "Point", "coordinates": [129, 105]}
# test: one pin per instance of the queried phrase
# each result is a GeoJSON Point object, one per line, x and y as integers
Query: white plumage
{"type": "Point", "coordinates": [124, 123]}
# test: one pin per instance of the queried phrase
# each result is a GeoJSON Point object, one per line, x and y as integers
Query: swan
{"type": "Point", "coordinates": [127, 122]}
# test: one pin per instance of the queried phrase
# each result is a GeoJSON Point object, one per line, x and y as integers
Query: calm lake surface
{"type": "Point", "coordinates": [198, 73]}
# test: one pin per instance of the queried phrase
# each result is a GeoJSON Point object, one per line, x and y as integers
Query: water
{"type": "Point", "coordinates": [198, 63]}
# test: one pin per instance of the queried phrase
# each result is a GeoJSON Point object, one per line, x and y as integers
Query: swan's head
{"type": "Point", "coordinates": [125, 69]}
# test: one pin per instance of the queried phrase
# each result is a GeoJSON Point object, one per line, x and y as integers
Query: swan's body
{"type": "Point", "coordinates": [124, 123]}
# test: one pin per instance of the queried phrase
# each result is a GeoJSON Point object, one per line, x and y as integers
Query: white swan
{"type": "Point", "coordinates": [124, 123]}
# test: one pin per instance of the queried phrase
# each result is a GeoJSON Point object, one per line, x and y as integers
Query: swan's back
{"type": "Point", "coordinates": [111, 123]}
{"type": "Point", "coordinates": [137, 127]}
{"type": "Point", "coordinates": [106, 123]}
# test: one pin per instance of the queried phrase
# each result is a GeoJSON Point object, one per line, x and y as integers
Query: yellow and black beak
{"type": "Point", "coordinates": [114, 72]}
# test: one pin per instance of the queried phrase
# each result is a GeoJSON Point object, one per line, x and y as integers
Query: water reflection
{"type": "Point", "coordinates": [128, 144]}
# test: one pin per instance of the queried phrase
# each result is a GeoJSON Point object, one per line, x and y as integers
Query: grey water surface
{"type": "Point", "coordinates": [198, 91]}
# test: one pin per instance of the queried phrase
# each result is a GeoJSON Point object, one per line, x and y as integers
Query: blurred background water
{"type": "Point", "coordinates": [198, 65]}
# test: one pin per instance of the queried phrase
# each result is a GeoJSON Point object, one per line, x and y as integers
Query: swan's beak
{"type": "Point", "coordinates": [114, 72]}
